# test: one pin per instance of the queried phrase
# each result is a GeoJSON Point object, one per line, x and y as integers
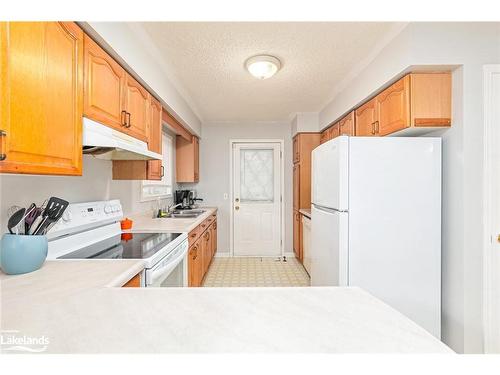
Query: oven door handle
{"type": "Point", "coordinates": [166, 266]}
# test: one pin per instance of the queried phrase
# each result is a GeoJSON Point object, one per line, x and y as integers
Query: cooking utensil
{"type": "Point", "coordinates": [15, 219]}
{"type": "Point", "coordinates": [12, 210]}
{"type": "Point", "coordinates": [52, 213]}
{"type": "Point", "coordinates": [29, 217]}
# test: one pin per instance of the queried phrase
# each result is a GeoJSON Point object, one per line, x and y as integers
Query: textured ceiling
{"type": "Point", "coordinates": [208, 60]}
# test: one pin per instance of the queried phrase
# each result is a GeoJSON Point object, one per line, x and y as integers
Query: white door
{"type": "Point", "coordinates": [492, 254]}
{"type": "Point", "coordinates": [256, 199]}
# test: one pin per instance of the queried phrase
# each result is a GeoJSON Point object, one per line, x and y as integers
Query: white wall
{"type": "Point", "coordinates": [214, 169]}
{"type": "Point", "coordinates": [467, 46]}
{"type": "Point", "coordinates": [134, 48]}
{"type": "Point", "coordinates": [304, 122]}
{"type": "Point", "coordinates": [94, 184]}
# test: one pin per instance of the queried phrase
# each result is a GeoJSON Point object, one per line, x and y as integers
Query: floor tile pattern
{"type": "Point", "coordinates": [252, 272]}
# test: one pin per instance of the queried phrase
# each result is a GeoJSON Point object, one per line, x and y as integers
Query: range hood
{"type": "Point", "coordinates": [106, 143]}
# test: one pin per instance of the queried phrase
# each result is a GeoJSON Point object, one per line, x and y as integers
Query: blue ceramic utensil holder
{"type": "Point", "coordinates": [21, 253]}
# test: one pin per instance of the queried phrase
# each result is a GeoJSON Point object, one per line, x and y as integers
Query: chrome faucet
{"type": "Point", "coordinates": [171, 207]}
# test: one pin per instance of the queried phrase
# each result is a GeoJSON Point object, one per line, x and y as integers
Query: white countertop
{"type": "Point", "coordinates": [144, 222]}
{"type": "Point", "coordinates": [75, 305]}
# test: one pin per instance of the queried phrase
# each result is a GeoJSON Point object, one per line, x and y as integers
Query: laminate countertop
{"type": "Point", "coordinates": [77, 306]}
{"type": "Point", "coordinates": [146, 223]}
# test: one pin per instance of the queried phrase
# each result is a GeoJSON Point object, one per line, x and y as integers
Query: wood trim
{"type": "Point", "coordinates": [431, 122]}
{"type": "Point", "coordinates": [134, 282]}
{"type": "Point", "coordinates": [175, 125]}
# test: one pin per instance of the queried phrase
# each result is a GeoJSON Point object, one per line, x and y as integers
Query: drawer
{"type": "Point", "coordinates": [194, 235]}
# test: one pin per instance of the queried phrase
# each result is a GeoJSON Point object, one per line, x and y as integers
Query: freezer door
{"type": "Point", "coordinates": [330, 174]}
{"type": "Point", "coordinates": [329, 247]}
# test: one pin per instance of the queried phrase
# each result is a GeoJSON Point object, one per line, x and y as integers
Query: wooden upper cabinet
{"type": "Point", "coordinates": [187, 159]}
{"type": "Point", "coordinates": [41, 97]}
{"type": "Point", "coordinates": [365, 118]}
{"type": "Point", "coordinates": [393, 106]}
{"type": "Point", "coordinates": [155, 170]}
{"type": "Point", "coordinates": [334, 131]}
{"type": "Point", "coordinates": [104, 83]}
{"type": "Point", "coordinates": [324, 137]}
{"type": "Point", "coordinates": [136, 100]}
{"type": "Point", "coordinates": [430, 99]}
{"type": "Point", "coordinates": [346, 125]}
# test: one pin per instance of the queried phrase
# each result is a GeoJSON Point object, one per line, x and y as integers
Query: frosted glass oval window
{"type": "Point", "coordinates": [257, 175]}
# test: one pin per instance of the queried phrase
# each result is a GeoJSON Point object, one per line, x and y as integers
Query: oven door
{"type": "Point", "coordinates": [171, 271]}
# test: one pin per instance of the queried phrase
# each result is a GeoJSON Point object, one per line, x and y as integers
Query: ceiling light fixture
{"type": "Point", "coordinates": [263, 66]}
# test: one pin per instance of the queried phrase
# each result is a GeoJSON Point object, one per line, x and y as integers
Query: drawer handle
{"type": "Point", "coordinates": [3, 135]}
{"type": "Point", "coordinates": [124, 118]}
{"type": "Point", "coordinates": [129, 123]}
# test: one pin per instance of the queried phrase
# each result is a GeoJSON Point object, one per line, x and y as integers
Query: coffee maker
{"type": "Point", "coordinates": [187, 199]}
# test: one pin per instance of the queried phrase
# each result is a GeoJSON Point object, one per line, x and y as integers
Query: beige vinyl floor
{"type": "Point", "coordinates": [251, 272]}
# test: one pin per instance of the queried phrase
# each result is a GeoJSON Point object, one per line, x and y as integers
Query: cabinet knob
{"type": "Point", "coordinates": [237, 208]}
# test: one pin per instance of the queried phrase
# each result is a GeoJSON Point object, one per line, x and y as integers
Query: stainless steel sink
{"type": "Point", "coordinates": [184, 214]}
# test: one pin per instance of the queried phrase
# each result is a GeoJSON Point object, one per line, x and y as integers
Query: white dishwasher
{"type": "Point", "coordinates": [306, 243]}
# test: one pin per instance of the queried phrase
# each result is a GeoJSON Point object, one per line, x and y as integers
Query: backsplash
{"type": "Point", "coordinates": [95, 184]}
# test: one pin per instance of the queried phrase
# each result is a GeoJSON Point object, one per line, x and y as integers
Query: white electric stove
{"type": "Point", "coordinates": [92, 231]}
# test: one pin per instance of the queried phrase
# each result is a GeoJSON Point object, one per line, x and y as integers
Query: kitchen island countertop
{"type": "Point", "coordinates": [78, 306]}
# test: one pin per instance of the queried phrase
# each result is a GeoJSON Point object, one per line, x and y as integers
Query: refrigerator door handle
{"type": "Point", "coordinates": [328, 209]}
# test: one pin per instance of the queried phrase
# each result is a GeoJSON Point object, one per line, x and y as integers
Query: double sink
{"type": "Point", "coordinates": [183, 214]}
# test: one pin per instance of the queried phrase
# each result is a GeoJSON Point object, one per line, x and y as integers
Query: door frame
{"type": "Point", "coordinates": [489, 175]}
{"type": "Point", "coordinates": [281, 142]}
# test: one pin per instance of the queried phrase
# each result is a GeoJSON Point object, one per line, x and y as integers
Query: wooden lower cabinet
{"type": "Point", "coordinates": [297, 237]}
{"type": "Point", "coordinates": [134, 282]}
{"type": "Point", "coordinates": [202, 248]}
{"type": "Point", "coordinates": [41, 98]}
{"type": "Point", "coordinates": [195, 273]}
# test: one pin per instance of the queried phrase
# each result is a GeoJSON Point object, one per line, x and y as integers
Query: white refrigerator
{"type": "Point", "coordinates": [376, 221]}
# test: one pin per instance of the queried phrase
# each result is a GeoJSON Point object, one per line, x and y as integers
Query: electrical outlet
{"type": "Point", "coordinates": [225, 196]}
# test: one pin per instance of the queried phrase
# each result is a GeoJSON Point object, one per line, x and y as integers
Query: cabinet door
{"type": "Point", "coordinates": [393, 106]}
{"type": "Point", "coordinates": [155, 140]}
{"type": "Point", "coordinates": [365, 119]}
{"type": "Point", "coordinates": [296, 186]}
{"type": "Point", "coordinates": [41, 97]}
{"type": "Point", "coordinates": [214, 238]}
{"type": "Point", "coordinates": [324, 136]}
{"type": "Point", "coordinates": [104, 83]}
{"type": "Point", "coordinates": [334, 131]}
{"type": "Point", "coordinates": [205, 249]}
{"type": "Point", "coordinates": [187, 159]}
{"type": "Point", "coordinates": [137, 106]}
{"type": "Point", "coordinates": [193, 268]}
{"type": "Point", "coordinates": [196, 146]}
{"type": "Point", "coordinates": [346, 125]}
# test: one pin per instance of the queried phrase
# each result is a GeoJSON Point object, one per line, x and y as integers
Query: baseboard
{"type": "Point", "coordinates": [227, 254]}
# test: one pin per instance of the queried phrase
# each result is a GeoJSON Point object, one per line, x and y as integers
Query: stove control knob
{"type": "Point", "coordinates": [108, 209]}
{"type": "Point", "coordinates": [67, 216]}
